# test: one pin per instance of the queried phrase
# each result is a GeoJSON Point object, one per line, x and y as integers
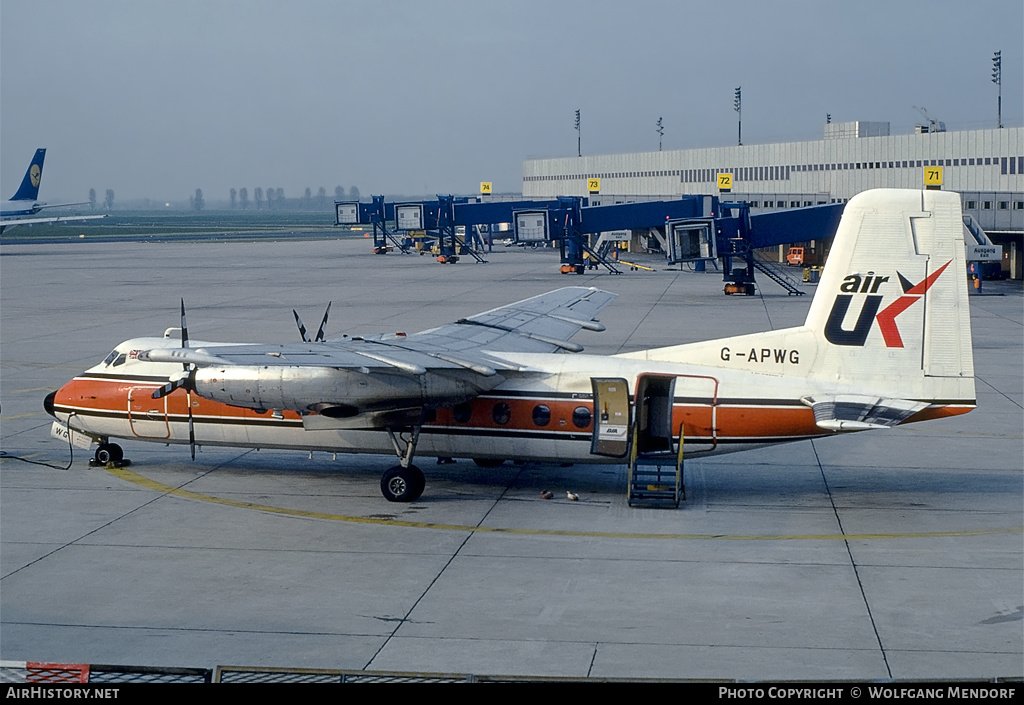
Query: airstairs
{"type": "Point", "coordinates": [656, 478]}
{"type": "Point", "coordinates": [778, 274]}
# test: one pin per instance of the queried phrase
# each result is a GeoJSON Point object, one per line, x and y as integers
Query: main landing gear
{"type": "Point", "coordinates": [404, 482]}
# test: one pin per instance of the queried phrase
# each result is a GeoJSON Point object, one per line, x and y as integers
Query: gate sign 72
{"type": "Point", "coordinates": [725, 181]}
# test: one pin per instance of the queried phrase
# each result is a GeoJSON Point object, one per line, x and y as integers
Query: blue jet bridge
{"type": "Point", "coordinates": [695, 229]}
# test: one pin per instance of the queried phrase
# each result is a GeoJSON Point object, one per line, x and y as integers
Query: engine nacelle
{"type": "Point", "coordinates": [331, 391]}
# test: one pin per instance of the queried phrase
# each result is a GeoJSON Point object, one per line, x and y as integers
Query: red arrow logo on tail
{"type": "Point", "coordinates": [887, 317]}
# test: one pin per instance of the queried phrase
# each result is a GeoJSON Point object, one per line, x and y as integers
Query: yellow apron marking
{"type": "Point", "coordinates": [24, 416]}
{"type": "Point", "coordinates": [136, 479]}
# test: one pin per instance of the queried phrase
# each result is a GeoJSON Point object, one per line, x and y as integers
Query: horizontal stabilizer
{"type": "Point", "coordinates": [853, 412]}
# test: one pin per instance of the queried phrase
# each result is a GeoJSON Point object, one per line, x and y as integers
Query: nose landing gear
{"type": "Point", "coordinates": [108, 454]}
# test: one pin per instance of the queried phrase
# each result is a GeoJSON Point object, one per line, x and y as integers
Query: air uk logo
{"type": "Point", "coordinates": [869, 313]}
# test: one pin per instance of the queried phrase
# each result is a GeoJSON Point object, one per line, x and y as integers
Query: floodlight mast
{"type": "Point", "coordinates": [997, 78]}
{"type": "Point", "coordinates": [737, 105]}
{"type": "Point", "coordinates": [579, 150]}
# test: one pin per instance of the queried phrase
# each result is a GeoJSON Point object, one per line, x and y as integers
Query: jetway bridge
{"type": "Point", "coordinates": [690, 229]}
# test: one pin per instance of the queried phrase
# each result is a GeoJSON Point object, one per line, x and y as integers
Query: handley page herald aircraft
{"type": "Point", "coordinates": [887, 341]}
{"type": "Point", "coordinates": [23, 203]}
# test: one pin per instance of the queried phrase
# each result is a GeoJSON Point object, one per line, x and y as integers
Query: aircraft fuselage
{"type": "Point", "coordinates": [545, 414]}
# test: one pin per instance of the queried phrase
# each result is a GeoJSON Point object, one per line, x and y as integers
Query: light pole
{"type": "Point", "coordinates": [579, 150]}
{"type": "Point", "coordinates": [737, 105]}
{"type": "Point", "coordinates": [661, 131]}
{"type": "Point", "coordinates": [997, 78]}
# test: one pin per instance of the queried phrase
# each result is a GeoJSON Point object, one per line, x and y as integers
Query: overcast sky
{"type": "Point", "coordinates": [155, 99]}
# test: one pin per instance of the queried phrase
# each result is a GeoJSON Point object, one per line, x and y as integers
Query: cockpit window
{"type": "Point", "coordinates": [110, 358]}
{"type": "Point", "coordinates": [119, 360]}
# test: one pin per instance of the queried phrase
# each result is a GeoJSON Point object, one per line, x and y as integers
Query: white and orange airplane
{"type": "Point", "coordinates": [887, 341]}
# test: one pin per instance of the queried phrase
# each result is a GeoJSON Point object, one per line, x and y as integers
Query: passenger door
{"type": "Point", "coordinates": [611, 417]}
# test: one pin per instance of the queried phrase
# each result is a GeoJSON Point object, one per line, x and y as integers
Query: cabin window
{"type": "Point", "coordinates": [501, 413]}
{"type": "Point", "coordinates": [541, 415]}
{"type": "Point", "coordinates": [581, 417]}
{"type": "Point", "coordinates": [462, 412]}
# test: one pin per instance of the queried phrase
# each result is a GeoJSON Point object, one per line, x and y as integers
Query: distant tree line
{"type": "Point", "coordinates": [274, 198]}
{"type": "Point", "coordinates": [108, 201]}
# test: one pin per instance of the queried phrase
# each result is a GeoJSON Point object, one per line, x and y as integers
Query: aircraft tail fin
{"type": "Point", "coordinates": [29, 189]}
{"type": "Point", "coordinates": [888, 334]}
{"type": "Point", "coordinates": [891, 312]}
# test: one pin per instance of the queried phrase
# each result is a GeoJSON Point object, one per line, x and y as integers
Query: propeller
{"type": "Point", "coordinates": [302, 329]}
{"type": "Point", "coordinates": [186, 380]}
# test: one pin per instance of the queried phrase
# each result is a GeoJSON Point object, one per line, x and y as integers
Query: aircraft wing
{"type": "Point", "coordinates": [11, 222]}
{"type": "Point", "coordinates": [853, 412]}
{"type": "Point", "coordinates": [540, 324]}
{"type": "Point", "coordinates": [370, 380]}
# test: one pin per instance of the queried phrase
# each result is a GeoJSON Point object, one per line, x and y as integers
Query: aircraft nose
{"type": "Point", "coordinates": [48, 403]}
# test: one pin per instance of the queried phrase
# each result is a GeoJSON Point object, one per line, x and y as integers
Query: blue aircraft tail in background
{"type": "Point", "coordinates": [29, 190]}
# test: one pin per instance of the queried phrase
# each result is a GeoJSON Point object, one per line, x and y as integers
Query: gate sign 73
{"type": "Point", "coordinates": [594, 185]}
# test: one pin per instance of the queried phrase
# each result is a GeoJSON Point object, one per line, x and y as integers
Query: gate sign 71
{"type": "Point", "coordinates": [933, 176]}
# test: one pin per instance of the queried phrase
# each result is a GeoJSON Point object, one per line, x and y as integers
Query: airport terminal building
{"type": "Point", "coordinates": [985, 166]}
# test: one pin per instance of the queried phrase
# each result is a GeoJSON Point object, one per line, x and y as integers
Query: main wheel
{"type": "Point", "coordinates": [108, 453]}
{"type": "Point", "coordinates": [402, 484]}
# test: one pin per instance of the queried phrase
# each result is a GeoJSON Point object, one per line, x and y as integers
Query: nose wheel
{"type": "Point", "coordinates": [108, 453]}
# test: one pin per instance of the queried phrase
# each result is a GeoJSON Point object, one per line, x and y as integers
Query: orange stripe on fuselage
{"type": "Point", "coordinates": [730, 421]}
{"type": "Point", "coordinates": [939, 412]}
{"type": "Point", "coordinates": [112, 396]}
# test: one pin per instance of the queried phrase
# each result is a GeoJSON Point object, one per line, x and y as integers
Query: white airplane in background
{"type": "Point", "coordinates": [887, 341]}
{"type": "Point", "coordinates": [23, 204]}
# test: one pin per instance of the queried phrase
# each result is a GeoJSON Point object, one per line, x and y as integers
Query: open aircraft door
{"type": "Point", "coordinates": [148, 416]}
{"type": "Point", "coordinates": [654, 427]}
{"type": "Point", "coordinates": [659, 422]}
{"type": "Point", "coordinates": [611, 417]}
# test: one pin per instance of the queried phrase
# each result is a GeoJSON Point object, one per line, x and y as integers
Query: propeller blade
{"type": "Point", "coordinates": [302, 328]}
{"type": "Point", "coordinates": [191, 429]}
{"type": "Point", "coordinates": [184, 326]}
{"type": "Point", "coordinates": [323, 324]}
{"type": "Point", "coordinates": [167, 389]}
{"type": "Point", "coordinates": [186, 380]}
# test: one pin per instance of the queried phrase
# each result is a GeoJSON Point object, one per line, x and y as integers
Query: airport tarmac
{"type": "Point", "coordinates": [884, 555]}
